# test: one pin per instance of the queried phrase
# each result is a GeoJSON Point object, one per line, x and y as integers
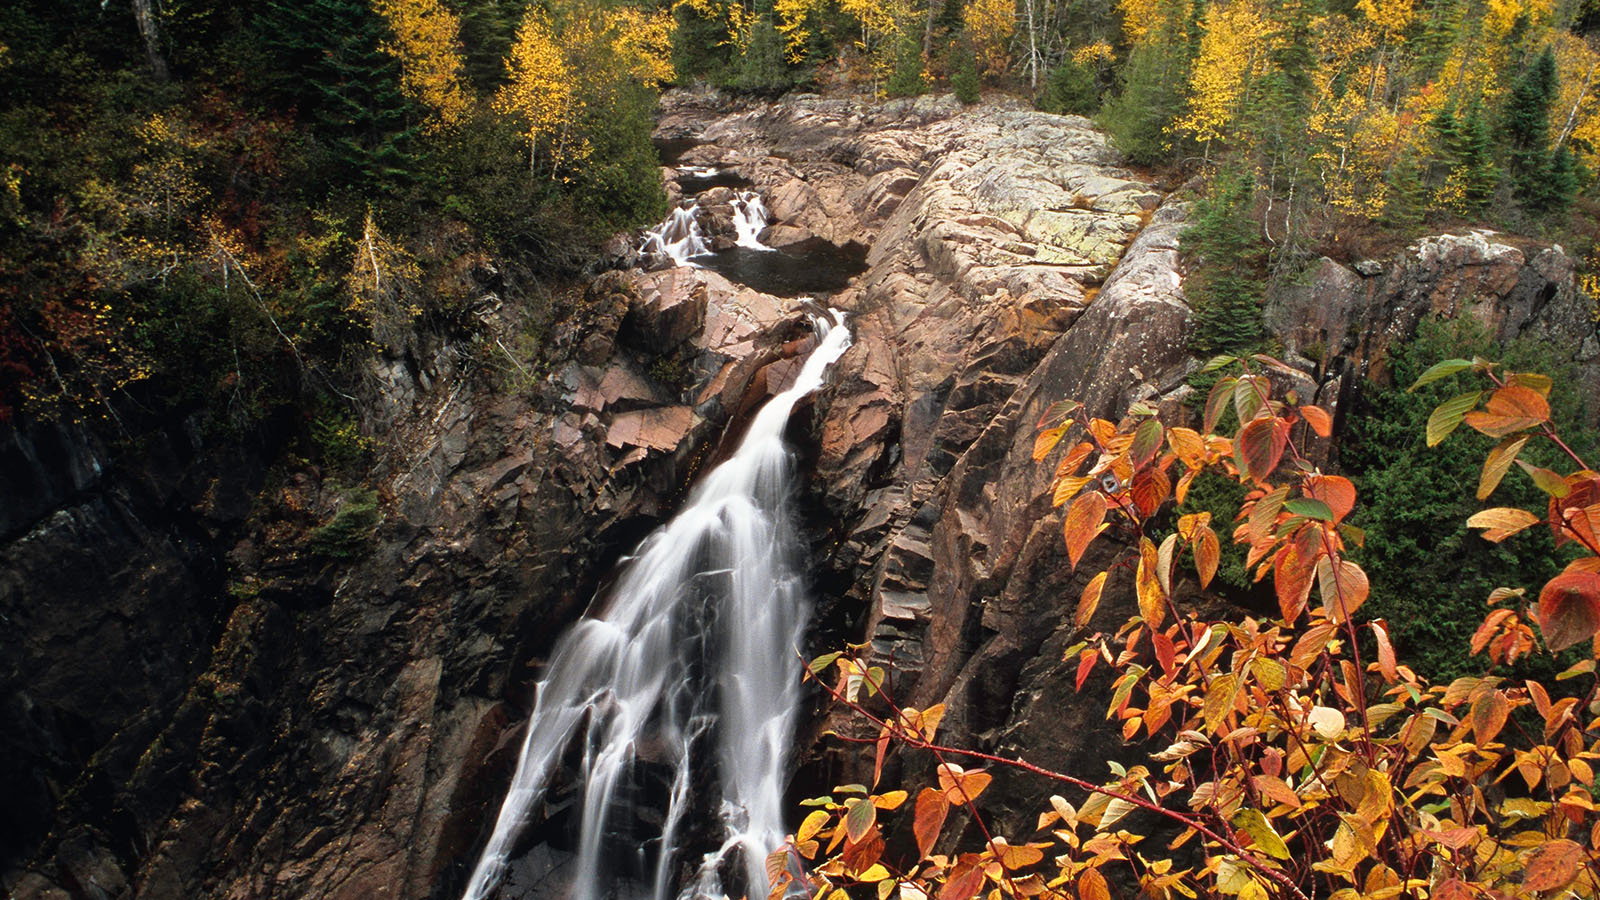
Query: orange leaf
{"type": "Point", "coordinates": [1187, 443]}
{"type": "Point", "coordinates": [1454, 889]}
{"type": "Point", "coordinates": [963, 885]}
{"type": "Point", "coordinates": [1344, 587]}
{"type": "Point", "coordinates": [1552, 866]}
{"type": "Point", "coordinates": [1334, 490]}
{"type": "Point", "coordinates": [1083, 524]}
{"type": "Point", "coordinates": [1090, 601]}
{"type": "Point", "coordinates": [1092, 886]}
{"type": "Point", "coordinates": [960, 785]}
{"type": "Point", "coordinates": [1152, 600]}
{"type": "Point", "coordinates": [1510, 409]}
{"type": "Point", "coordinates": [1489, 713]}
{"type": "Point", "coordinates": [1386, 661]}
{"type": "Point", "coordinates": [931, 810]}
{"type": "Point", "coordinates": [1260, 446]}
{"type": "Point", "coordinates": [1207, 553]}
{"type": "Point", "coordinates": [1074, 458]}
{"type": "Point", "coordinates": [1046, 441]}
{"type": "Point", "coordinates": [1318, 419]}
{"type": "Point", "coordinates": [1569, 609]}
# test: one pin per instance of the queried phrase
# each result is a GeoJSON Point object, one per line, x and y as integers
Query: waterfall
{"type": "Point", "coordinates": [694, 645]}
{"type": "Point", "coordinates": [678, 237]}
{"type": "Point", "coordinates": [749, 218]}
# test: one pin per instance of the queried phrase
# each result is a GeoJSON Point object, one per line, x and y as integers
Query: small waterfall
{"type": "Point", "coordinates": [678, 237]}
{"type": "Point", "coordinates": [693, 646]}
{"type": "Point", "coordinates": [749, 219]}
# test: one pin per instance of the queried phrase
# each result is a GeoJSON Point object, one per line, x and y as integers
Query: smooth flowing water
{"type": "Point", "coordinates": [688, 665]}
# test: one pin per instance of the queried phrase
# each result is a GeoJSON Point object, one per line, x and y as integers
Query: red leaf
{"type": "Point", "coordinates": [1085, 666]}
{"type": "Point", "coordinates": [1260, 446]}
{"type": "Point", "coordinates": [1569, 609]}
{"type": "Point", "coordinates": [1083, 524]}
{"type": "Point", "coordinates": [1292, 572]}
{"type": "Point", "coordinates": [1150, 488]}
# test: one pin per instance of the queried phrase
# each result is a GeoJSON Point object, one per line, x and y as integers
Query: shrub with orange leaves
{"type": "Point", "coordinates": [1303, 758]}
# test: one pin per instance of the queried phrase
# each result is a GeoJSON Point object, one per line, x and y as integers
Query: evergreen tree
{"type": "Point", "coordinates": [487, 29]}
{"type": "Point", "coordinates": [1154, 83]}
{"type": "Point", "coordinates": [763, 68]}
{"type": "Point", "coordinates": [1070, 89]}
{"type": "Point", "coordinates": [329, 65]}
{"type": "Point", "coordinates": [907, 79]}
{"type": "Point", "coordinates": [1224, 288]}
{"type": "Point", "coordinates": [700, 48]}
{"type": "Point", "coordinates": [964, 73]}
{"type": "Point", "coordinates": [1407, 198]}
{"type": "Point", "coordinates": [1466, 175]}
{"type": "Point", "coordinates": [1527, 127]}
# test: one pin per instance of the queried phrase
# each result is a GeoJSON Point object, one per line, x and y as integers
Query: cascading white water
{"type": "Point", "coordinates": [749, 219]}
{"type": "Point", "coordinates": [679, 236]}
{"type": "Point", "coordinates": [696, 639]}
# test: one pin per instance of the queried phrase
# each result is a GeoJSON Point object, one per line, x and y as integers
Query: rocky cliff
{"type": "Point", "coordinates": [200, 703]}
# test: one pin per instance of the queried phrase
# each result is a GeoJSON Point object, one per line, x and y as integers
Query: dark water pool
{"type": "Point", "coordinates": [670, 150]}
{"type": "Point", "coordinates": [694, 183]}
{"type": "Point", "coordinates": [812, 266]}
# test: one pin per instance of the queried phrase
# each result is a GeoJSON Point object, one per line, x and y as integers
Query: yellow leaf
{"type": "Point", "coordinates": [1253, 823]}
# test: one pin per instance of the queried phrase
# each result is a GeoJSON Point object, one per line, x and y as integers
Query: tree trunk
{"type": "Point", "coordinates": [146, 17]}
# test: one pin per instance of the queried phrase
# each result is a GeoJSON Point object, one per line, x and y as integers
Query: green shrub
{"type": "Point", "coordinates": [348, 534]}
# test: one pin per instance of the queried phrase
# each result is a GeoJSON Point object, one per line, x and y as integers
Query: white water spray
{"type": "Point", "coordinates": [696, 639]}
{"type": "Point", "coordinates": [678, 237]}
{"type": "Point", "coordinates": [749, 219]}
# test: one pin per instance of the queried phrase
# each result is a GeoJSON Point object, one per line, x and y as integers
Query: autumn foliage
{"type": "Point", "coordinates": [1302, 757]}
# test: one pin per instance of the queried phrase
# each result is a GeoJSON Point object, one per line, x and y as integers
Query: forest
{"type": "Point", "coordinates": [214, 217]}
{"type": "Point", "coordinates": [181, 173]}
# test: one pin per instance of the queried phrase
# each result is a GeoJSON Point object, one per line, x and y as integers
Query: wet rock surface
{"type": "Point", "coordinates": [198, 702]}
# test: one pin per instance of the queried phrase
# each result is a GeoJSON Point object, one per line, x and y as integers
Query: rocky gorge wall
{"type": "Point", "coordinates": [283, 724]}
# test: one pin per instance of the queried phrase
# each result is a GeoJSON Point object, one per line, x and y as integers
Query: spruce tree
{"type": "Point", "coordinates": [1070, 89]}
{"type": "Point", "coordinates": [1224, 288]}
{"type": "Point", "coordinates": [907, 80]}
{"type": "Point", "coordinates": [1527, 126]}
{"type": "Point", "coordinates": [763, 68]}
{"type": "Point", "coordinates": [964, 73]}
{"type": "Point", "coordinates": [330, 67]}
